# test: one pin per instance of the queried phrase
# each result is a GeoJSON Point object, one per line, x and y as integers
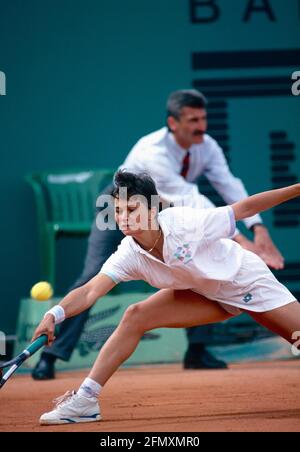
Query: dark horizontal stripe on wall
{"type": "Point", "coordinates": [220, 137]}
{"type": "Point", "coordinates": [245, 59]}
{"type": "Point", "coordinates": [217, 105]}
{"type": "Point", "coordinates": [284, 212]}
{"type": "Point", "coordinates": [289, 270]}
{"type": "Point", "coordinates": [280, 168]}
{"type": "Point", "coordinates": [291, 202]}
{"type": "Point", "coordinates": [286, 278]}
{"type": "Point", "coordinates": [213, 127]}
{"type": "Point", "coordinates": [216, 116]}
{"type": "Point", "coordinates": [282, 157]}
{"type": "Point", "coordinates": [291, 213]}
{"type": "Point", "coordinates": [286, 208]}
{"type": "Point", "coordinates": [286, 224]}
{"type": "Point", "coordinates": [283, 154]}
{"type": "Point", "coordinates": [282, 146]}
{"type": "Point", "coordinates": [222, 142]}
{"type": "Point", "coordinates": [238, 82]}
{"type": "Point", "coordinates": [253, 92]}
{"type": "Point", "coordinates": [285, 179]}
{"type": "Point", "coordinates": [292, 266]}
{"type": "Point", "coordinates": [287, 217]}
{"type": "Point", "coordinates": [278, 135]}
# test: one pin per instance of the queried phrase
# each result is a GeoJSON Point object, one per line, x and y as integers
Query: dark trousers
{"type": "Point", "coordinates": [101, 244]}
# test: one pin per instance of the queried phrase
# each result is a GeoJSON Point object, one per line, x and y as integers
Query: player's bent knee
{"type": "Point", "coordinates": [133, 317]}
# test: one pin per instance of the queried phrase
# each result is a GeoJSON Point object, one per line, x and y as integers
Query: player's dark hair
{"type": "Point", "coordinates": [184, 98]}
{"type": "Point", "coordinates": [136, 184]}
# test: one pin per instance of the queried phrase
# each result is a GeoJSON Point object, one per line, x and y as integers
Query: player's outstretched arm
{"type": "Point", "coordinates": [264, 201]}
{"type": "Point", "coordinates": [82, 298]}
{"type": "Point", "coordinates": [77, 301]}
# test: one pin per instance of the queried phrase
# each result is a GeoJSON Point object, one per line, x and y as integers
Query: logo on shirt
{"type": "Point", "coordinates": [183, 253]}
{"type": "Point", "coordinates": [247, 298]}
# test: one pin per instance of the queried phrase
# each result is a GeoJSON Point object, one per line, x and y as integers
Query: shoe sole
{"type": "Point", "coordinates": [73, 420]}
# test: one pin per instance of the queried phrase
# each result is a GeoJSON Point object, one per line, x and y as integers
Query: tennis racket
{"type": "Point", "coordinates": [15, 363]}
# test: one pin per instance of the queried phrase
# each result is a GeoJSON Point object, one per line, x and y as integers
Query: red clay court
{"type": "Point", "coordinates": [248, 397]}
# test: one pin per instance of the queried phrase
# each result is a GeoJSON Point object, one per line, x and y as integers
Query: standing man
{"type": "Point", "coordinates": [175, 156]}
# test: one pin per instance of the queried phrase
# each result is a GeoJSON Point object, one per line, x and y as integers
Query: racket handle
{"type": "Point", "coordinates": [37, 344]}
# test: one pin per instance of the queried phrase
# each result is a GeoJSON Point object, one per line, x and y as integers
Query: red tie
{"type": "Point", "coordinates": [185, 164]}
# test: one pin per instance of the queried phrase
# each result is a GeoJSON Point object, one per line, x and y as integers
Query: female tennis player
{"type": "Point", "coordinates": [203, 277]}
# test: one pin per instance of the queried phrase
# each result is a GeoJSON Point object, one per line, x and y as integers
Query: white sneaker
{"type": "Point", "coordinates": [72, 408]}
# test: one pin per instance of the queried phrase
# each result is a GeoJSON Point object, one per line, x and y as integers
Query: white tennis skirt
{"type": "Point", "coordinates": [254, 288]}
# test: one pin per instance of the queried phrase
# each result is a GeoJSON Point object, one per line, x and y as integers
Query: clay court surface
{"type": "Point", "coordinates": [248, 397]}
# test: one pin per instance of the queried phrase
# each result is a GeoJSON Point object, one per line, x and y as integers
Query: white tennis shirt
{"type": "Point", "coordinates": [198, 252]}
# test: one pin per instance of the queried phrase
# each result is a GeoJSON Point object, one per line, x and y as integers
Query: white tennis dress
{"type": "Point", "coordinates": [199, 255]}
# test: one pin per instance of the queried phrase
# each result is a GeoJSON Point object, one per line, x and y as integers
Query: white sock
{"type": "Point", "coordinates": [89, 388]}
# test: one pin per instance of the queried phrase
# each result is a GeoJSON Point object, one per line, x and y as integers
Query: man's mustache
{"type": "Point", "coordinates": [198, 133]}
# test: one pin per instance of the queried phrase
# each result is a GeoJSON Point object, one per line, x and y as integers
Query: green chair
{"type": "Point", "coordinates": [66, 205]}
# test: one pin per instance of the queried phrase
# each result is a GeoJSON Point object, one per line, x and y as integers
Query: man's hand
{"type": "Point", "coordinates": [266, 248]}
{"type": "Point", "coordinates": [263, 247]}
{"type": "Point", "coordinates": [47, 326]}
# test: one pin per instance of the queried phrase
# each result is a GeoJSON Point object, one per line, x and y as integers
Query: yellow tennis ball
{"type": "Point", "coordinates": [41, 291]}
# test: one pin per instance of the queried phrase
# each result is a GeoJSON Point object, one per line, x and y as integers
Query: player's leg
{"type": "Point", "coordinates": [167, 308]}
{"type": "Point", "coordinates": [284, 321]}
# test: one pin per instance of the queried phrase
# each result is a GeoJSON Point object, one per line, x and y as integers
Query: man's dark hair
{"type": "Point", "coordinates": [184, 98]}
{"type": "Point", "coordinates": [136, 184]}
